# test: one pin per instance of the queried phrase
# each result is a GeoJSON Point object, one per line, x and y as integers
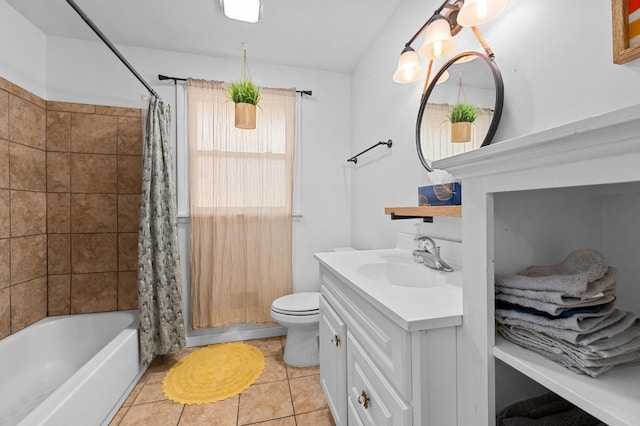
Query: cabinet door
{"type": "Point", "coordinates": [372, 399]}
{"type": "Point", "coordinates": [333, 361]}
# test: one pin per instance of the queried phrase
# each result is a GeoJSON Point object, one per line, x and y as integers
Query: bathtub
{"type": "Point", "coordinates": [68, 370]}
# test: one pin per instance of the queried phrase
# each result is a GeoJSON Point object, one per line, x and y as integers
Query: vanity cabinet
{"type": "Point", "coordinates": [375, 372]}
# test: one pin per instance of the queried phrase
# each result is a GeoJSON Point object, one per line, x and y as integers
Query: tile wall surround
{"type": "Point", "coordinates": [70, 177]}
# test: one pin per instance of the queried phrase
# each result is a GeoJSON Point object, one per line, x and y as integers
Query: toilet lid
{"type": "Point", "coordinates": [297, 304]}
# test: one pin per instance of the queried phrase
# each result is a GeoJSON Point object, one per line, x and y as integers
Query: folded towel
{"type": "Point", "coordinates": [552, 308]}
{"type": "Point", "coordinates": [567, 354]}
{"type": "Point", "coordinates": [596, 289]}
{"type": "Point", "coordinates": [548, 409]}
{"type": "Point", "coordinates": [571, 276]}
{"type": "Point", "coordinates": [579, 322]}
{"type": "Point", "coordinates": [613, 325]}
{"type": "Point", "coordinates": [563, 313]}
{"type": "Point", "coordinates": [572, 417]}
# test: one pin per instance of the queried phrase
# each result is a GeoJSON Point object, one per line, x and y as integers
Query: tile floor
{"type": "Point", "coordinates": [282, 396]}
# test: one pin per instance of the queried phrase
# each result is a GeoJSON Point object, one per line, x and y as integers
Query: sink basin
{"type": "Point", "coordinates": [402, 272]}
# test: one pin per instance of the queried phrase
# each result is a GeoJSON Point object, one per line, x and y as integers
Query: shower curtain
{"type": "Point", "coordinates": [159, 286]}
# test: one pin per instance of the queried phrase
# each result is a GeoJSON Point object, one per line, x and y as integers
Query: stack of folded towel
{"type": "Point", "coordinates": [566, 312]}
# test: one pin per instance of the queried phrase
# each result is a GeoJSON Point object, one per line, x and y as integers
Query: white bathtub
{"type": "Point", "coordinates": [68, 370]}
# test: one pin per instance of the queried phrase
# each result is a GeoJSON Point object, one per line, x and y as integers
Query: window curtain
{"type": "Point", "coordinates": [240, 200]}
{"type": "Point", "coordinates": [435, 133]}
{"type": "Point", "coordinates": [159, 286]}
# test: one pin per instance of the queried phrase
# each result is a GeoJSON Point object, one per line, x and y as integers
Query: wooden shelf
{"type": "Point", "coordinates": [425, 211]}
{"type": "Point", "coordinates": [612, 397]}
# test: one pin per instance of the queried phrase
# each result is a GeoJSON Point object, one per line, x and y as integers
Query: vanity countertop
{"type": "Point", "coordinates": [413, 308]}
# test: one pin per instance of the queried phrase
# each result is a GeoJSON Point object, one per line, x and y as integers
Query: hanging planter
{"type": "Point", "coordinates": [460, 132]}
{"type": "Point", "coordinates": [461, 117]}
{"type": "Point", "coordinates": [245, 116]}
{"type": "Point", "coordinates": [246, 96]}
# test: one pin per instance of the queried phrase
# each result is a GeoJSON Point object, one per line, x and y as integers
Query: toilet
{"type": "Point", "coordinates": [299, 312]}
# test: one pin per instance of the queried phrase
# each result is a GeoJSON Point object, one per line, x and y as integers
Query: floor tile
{"type": "Point", "coordinates": [265, 402]}
{"type": "Point", "coordinates": [221, 413]}
{"type": "Point", "coordinates": [286, 421]}
{"type": "Point", "coordinates": [270, 346]}
{"type": "Point", "coordinates": [274, 370]}
{"type": "Point", "coordinates": [135, 391]}
{"type": "Point", "coordinates": [150, 392]}
{"type": "Point", "coordinates": [307, 394]}
{"type": "Point", "coordinates": [161, 413]}
{"type": "Point", "coordinates": [315, 418]}
{"type": "Point", "coordinates": [294, 372]}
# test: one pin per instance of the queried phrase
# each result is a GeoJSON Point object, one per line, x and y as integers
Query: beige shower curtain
{"type": "Point", "coordinates": [240, 196]}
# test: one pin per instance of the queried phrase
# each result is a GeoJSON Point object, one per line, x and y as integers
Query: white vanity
{"type": "Point", "coordinates": [388, 338]}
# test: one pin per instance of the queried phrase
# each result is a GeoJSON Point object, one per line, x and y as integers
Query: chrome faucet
{"type": "Point", "coordinates": [426, 252]}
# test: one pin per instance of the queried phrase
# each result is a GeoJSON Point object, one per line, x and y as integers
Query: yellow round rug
{"type": "Point", "coordinates": [213, 373]}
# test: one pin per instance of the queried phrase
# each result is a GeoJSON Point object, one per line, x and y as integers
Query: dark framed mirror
{"type": "Point", "coordinates": [469, 78]}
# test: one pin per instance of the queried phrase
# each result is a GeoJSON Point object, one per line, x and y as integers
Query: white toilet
{"type": "Point", "coordinates": [299, 312]}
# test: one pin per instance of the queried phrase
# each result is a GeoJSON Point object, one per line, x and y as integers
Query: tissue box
{"type": "Point", "coordinates": [446, 194]}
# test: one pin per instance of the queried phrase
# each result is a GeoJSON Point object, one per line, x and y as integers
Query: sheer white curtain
{"type": "Point", "coordinates": [240, 198]}
{"type": "Point", "coordinates": [435, 136]}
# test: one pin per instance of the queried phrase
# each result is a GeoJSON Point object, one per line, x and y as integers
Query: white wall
{"type": "Point", "coordinates": [22, 51]}
{"type": "Point", "coordinates": [556, 62]}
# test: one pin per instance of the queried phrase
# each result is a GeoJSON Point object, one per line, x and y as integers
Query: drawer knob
{"type": "Point", "coordinates": [363, 400]}
{"type": "Point", "coordinates": [336, 340]}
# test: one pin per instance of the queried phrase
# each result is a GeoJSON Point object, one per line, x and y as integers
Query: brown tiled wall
{"type": "Point", "coordinates": [70, 178]}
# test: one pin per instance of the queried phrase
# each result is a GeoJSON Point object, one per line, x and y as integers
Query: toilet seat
{"type": "Point", "coordinates": [297, 304]}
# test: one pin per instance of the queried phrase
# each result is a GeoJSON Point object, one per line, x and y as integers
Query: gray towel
{"type": "Point", "coordinates": [578, 322]}
{"type": "Point", "coordinates": [614, 324]}
{"type": "Point", "coordinates": [572, 417]}
{"type": "Point", "coordinates": [567, 354]}
{"type": "Point", "coordinates": [554, 309]}
{"type": "Point", "coordinates": [548, 409]}
{"type": "Point", "coordinates": [571, 276]}
{"type": "Point", "coordinates": [595, 289]}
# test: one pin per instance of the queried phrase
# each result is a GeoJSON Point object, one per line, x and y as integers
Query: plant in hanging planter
{"type": "Point", "coordinates": [246, 96]}
{"type": "Point", "coordinates": [461, 116]}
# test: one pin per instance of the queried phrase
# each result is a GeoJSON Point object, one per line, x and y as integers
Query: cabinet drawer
{"type": "Point", "coordinates": [371, 398]}
{"type": "Point", "coordinates": [384, 340]}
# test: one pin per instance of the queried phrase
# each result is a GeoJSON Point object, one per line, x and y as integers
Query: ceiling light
{"type": "Point", "coordinates": [476, 12]}
{"type": "Point", "coordinates": [243, 10]}
{"type": "Point", "coordinates": [409, 69]}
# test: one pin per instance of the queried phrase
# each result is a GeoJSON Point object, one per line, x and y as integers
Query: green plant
{"type": "Point", "coordinates": [244, 92]}
{"type": "Point", "coordinates": [462, 112]}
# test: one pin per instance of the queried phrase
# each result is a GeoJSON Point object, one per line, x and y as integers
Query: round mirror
{"type": "Point", "coordinates": [461, 108]}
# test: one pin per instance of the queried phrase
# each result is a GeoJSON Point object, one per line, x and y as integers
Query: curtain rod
{"type": "Point", "coordinates": [110, 46]}
{"type": "Point", "coordinates": [176, 79]}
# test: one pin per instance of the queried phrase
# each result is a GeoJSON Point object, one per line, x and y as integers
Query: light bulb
{"type": "Point", "coordinates": [437, 48]}
{"type": "Point", "coordinates": [481, 9]}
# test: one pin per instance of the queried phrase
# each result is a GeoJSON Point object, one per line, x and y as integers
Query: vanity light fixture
{"type": "Point", "coordinates": [243, 10]}
{"type": "Point", "coordinates": [439, 32]}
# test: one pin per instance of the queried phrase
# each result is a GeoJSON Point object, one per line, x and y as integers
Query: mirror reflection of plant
{"type": "Point", "coordinates": [462, 112]}
{"type": "Point", "coordinates": [244, 92]}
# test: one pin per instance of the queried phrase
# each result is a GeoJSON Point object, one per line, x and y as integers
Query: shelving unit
{"type": "Point", "coordinates": [423, 211]}
{"type": "Point", "coordinates": [612, 397]}
{"type": "Point", "coordinates": [531, 201]}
